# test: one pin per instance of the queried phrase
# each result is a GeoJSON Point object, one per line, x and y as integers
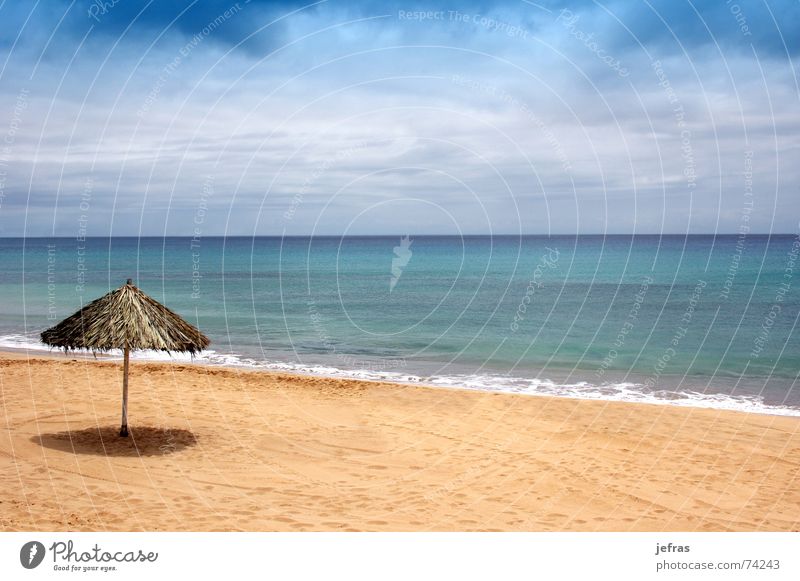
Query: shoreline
{"type": "Point", "coordinates": [102, 357]}
{"type": "Point", "coordinates": [230, 449]}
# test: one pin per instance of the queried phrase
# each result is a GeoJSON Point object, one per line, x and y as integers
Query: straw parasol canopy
{"type": "Point", "coordinates": [126, 319]}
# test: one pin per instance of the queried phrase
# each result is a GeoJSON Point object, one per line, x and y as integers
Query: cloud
{"type": "Point", "coordinates": [502, 117]}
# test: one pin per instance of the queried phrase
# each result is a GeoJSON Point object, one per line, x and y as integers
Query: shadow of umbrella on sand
{"type": "Point", "coordinates": [126, 319]}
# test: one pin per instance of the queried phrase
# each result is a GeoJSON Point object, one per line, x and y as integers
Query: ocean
{"type": "Point", "coordinates": [705, 321]}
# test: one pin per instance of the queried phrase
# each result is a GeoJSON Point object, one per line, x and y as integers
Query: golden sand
{"type": "Point", "coordinates": [223, 449]}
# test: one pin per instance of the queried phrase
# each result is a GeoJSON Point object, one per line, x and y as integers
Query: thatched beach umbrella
{"type": "Point", "coordinates": [126, 319]}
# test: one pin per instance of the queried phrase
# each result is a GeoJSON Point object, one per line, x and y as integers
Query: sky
{"type": "Point", "coordinates": [201, 118]}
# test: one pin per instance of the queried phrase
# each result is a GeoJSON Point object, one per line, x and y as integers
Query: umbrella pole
{"type": "Point", "coordinates": [123, 432]}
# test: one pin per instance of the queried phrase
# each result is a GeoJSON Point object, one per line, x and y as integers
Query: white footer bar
{"type": "Point", "coordinates": [401, 556]}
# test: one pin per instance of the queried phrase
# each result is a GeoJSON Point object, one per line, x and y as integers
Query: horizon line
{"type": "Point", "coordinates": [401, 234]}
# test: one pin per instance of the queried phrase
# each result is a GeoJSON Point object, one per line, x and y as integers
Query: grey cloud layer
{"type": "Point", "coordinates": [508, 118]}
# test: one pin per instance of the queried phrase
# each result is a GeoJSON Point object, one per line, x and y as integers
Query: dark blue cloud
{"type": "Point", "coordinates": [772, 28]}
{"type": "Point", "coordinates": [54, 28]}
{"type": "Point", "coordinates": [148, 19]}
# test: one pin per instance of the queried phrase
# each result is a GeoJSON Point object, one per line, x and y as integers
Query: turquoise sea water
{"type": "Point", "coordinates": [697, 320]}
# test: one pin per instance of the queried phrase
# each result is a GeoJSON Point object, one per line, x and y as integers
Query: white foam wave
{"type": "Point", "coordinates": [619, 391]}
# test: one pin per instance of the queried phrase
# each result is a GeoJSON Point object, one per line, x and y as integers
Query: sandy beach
{"type": "Point", "coordinates": [224, 449]}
